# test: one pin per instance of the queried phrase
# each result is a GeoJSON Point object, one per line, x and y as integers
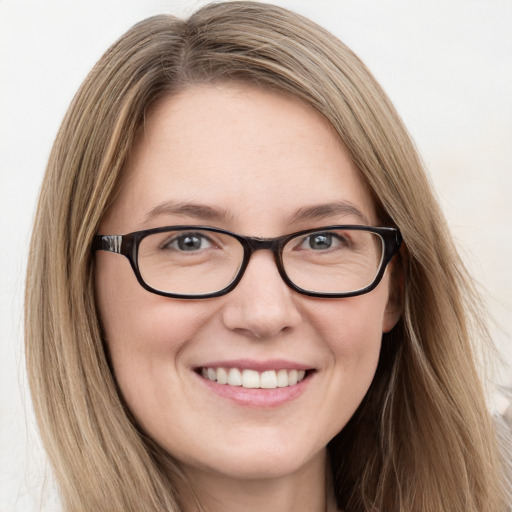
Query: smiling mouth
{"type": "Point", "coordinates": [252, 379]}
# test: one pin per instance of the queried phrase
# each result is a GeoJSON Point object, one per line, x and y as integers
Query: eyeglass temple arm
{"type": "Point", "coordinates": [394, 247]}
{"type": "Point", "coordinates": [111, 243]}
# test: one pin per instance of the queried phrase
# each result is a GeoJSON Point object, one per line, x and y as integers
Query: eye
{"type": "Point", "coordinates": [323, 241]}
{"type": "Point", "coordinates": [320, 241]}
{"type": "Point", "coordinates": [188, 242]}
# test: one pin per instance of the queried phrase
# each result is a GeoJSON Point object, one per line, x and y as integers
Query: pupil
{"type": "Point", "coordinates": [320, 242]}
{"type": "Point", "coordinates": [189, 243]}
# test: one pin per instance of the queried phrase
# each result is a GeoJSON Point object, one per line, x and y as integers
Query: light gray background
{"type": "Point", "coordinates": [447, 65]}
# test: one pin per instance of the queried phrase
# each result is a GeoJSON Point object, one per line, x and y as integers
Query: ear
{"type": "Point", "coordinates": [394, 306]}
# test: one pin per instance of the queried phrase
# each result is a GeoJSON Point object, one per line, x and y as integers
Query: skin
{"type": "Point", "coordinates": [258, 157]}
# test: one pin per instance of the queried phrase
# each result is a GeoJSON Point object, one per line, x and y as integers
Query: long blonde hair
{"type": "Point", "coordinates": [422, 440]}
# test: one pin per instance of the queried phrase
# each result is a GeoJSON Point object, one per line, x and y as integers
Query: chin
{"type": "Point", "coordinates": [256, 462]}
{"type": "Point", "coordinates": [260, 467]}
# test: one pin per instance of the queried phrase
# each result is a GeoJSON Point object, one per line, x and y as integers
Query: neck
{"type": "Point", "coordinates": [307, 489]}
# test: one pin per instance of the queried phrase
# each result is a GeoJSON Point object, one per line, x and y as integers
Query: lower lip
{"type": "Point", "coordinates": [259, 398]}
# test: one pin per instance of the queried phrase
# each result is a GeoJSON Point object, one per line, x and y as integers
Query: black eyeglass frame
{"type": "Point", "coordinates": [128, 246]}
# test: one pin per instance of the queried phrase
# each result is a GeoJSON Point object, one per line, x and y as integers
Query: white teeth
{"type": "Point", "coordinates": [268, 380]}
{"type": "Point", "coordinates": [252, 379]}
{"type": "Point", "coordinates": [222, 376]}
{"type": "Point", "coordinates": [234, 377]}
{"type": "Point", "coordinates": [282, 378]}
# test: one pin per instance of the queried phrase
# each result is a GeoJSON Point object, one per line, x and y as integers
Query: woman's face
{"type": "Point", "coordinates": [258, 164]}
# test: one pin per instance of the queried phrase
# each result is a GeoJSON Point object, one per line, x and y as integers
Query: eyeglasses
{"type": "Point", "coordinates": [198, 262]}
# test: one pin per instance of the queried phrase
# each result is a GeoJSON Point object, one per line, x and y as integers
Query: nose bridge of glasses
{"type": "Point", "coordinates": [256, 244]}
{"type": "Point", "coordinates": [274, 245]}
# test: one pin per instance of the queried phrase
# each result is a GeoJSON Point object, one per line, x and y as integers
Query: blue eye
{"type": "Point", "coordinates": [188, 242]}
{"type": "Point", "coordinates": [323, 241]}
{"type": "Point", "coordinates": [320, 241]}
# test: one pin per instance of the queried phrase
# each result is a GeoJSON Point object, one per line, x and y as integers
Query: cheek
{"type": "Point", "coordinates": [133, 316]}
{"type": "Point", "coordinates": [144, 332]}
{"type": "Point", "coordinates": [356, 351]}
{"type": "Point", "coordinates": [354, 325]}
{"type": "Point", "coordinates": [362, 339]}
{"type": "Point", "coordinates": [352, 330]}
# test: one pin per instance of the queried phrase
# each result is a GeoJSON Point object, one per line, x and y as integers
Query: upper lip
{"type": "Point", "coordinates": [259, 366]}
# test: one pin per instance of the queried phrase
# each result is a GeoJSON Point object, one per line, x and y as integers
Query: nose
{"type": "Point", "coordinates": [262, 305]}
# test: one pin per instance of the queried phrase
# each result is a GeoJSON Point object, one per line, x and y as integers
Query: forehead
{"type": "Point", "coordinates": [254, 154]}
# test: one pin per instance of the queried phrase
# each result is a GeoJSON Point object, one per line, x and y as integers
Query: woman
{"type": "Point", "coordinates": [175, 362]}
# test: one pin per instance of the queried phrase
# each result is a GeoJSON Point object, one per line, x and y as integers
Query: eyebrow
{"type": "Point", "coordinates": [197, 211]}
{"type": "Point", "coordinates": [209, 213]}
{"type": "Point", "coordinates": [329, 210]}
